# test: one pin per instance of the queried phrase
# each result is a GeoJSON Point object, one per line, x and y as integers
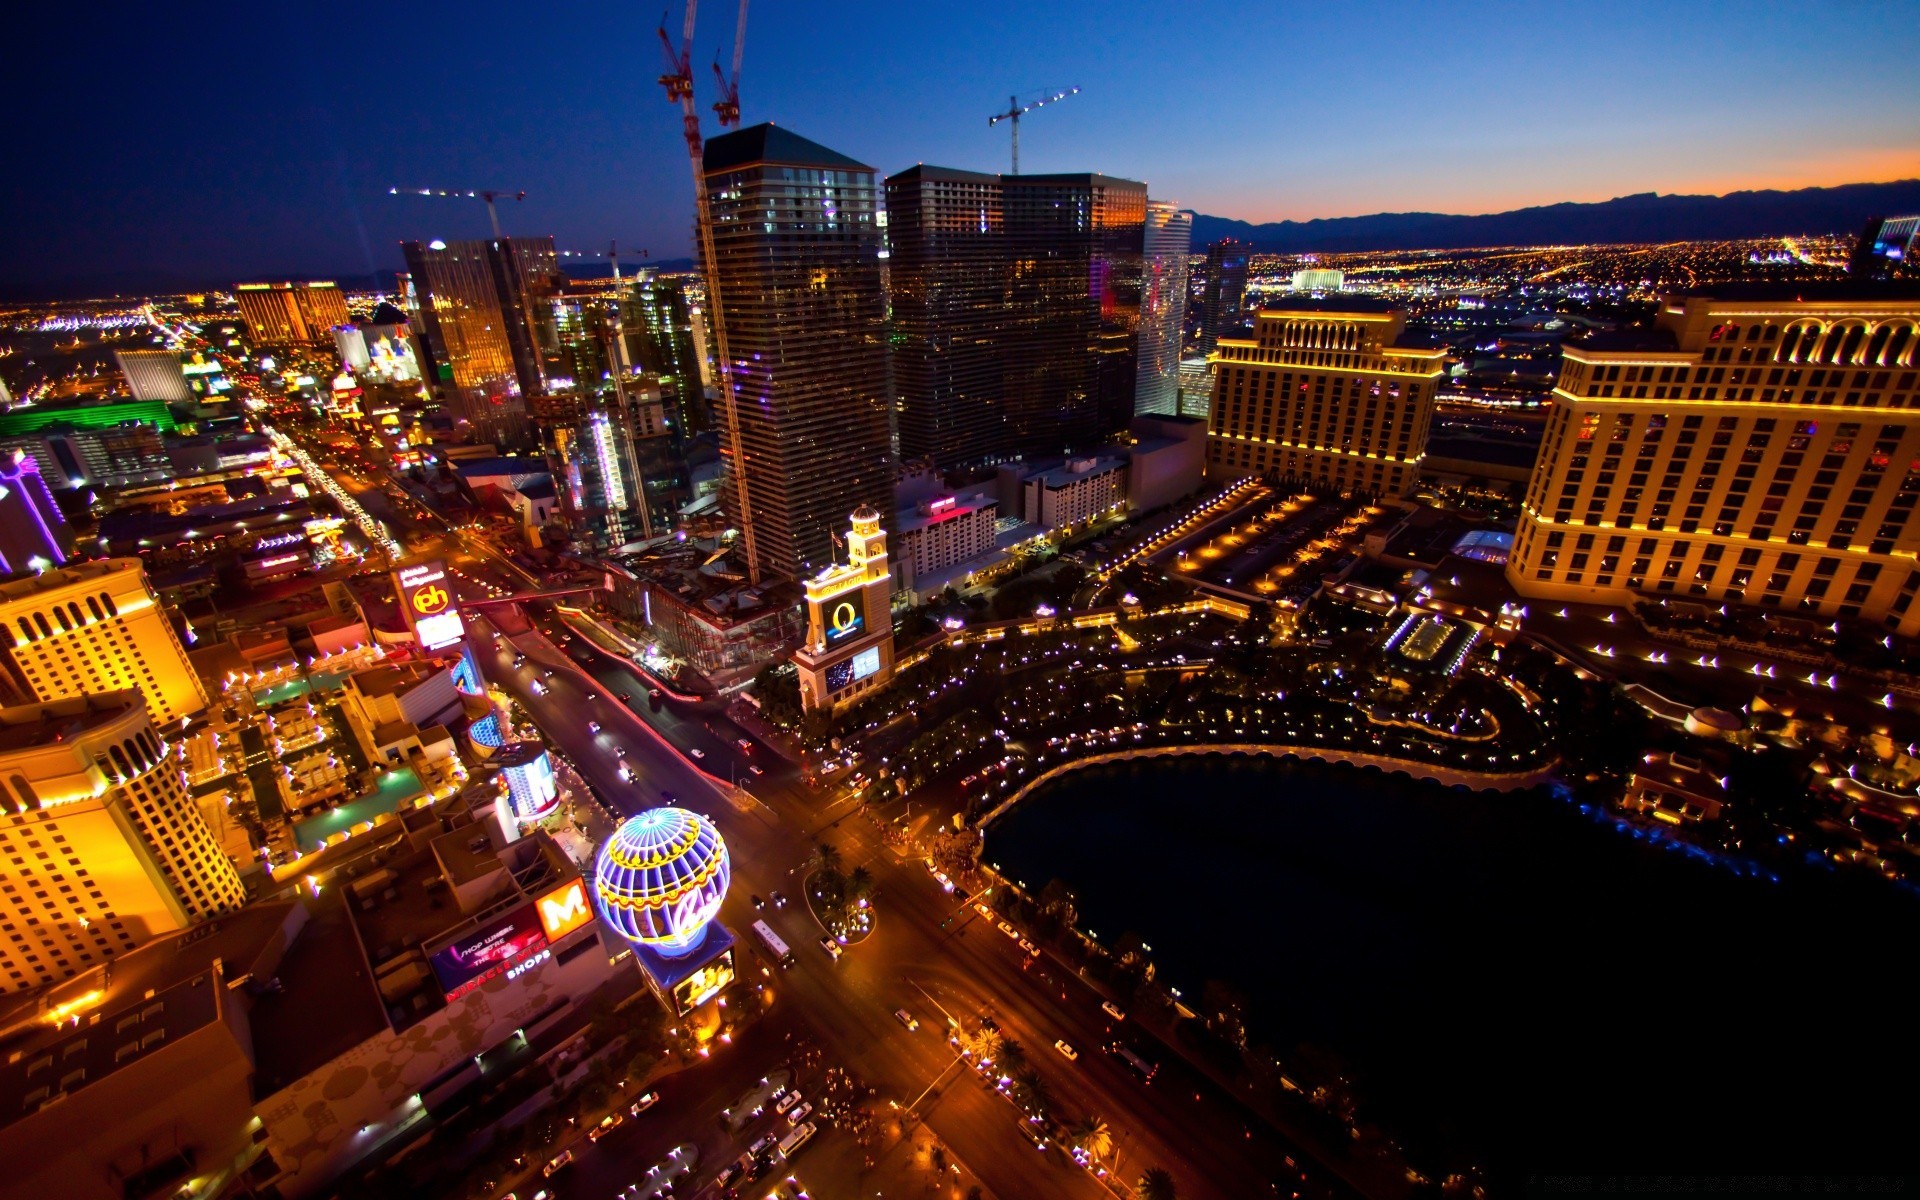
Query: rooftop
{"type": "Point", "coordinates": [31, 726]}
{"type": "Point", "coordinates": [394, 680]}
{"type": "Point", "coordinates": [166, 986]}
{"type": "Point", "coordinates": [1836, 291]}
{"type": "Point", "coordinates": [60, 577]}
{"type": "Point", "coordinates": [768, 143]}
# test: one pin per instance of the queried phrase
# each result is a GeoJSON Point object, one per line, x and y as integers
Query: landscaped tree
{"type": "Point", "coordinates": [1157, 1184]}
{"type": "Point", "coordinates": [1030, 1092]}
{"type": "Point", "coordinates": [1092, 1135]}
{"type": "Point", "coordinates": [985, 1044]}
{"type": "Point", "coordinates": [826, 857]}
{"type": "Point", "coordinates": [859, 883]}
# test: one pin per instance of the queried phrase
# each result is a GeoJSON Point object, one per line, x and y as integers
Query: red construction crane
{"type": "Point", "coordinates": [487, 194]}
{"type": "Point", "coordinates": [1013, 114]}
{"type": "Point", "coordinates": [678, 82]}
{"type": "Point", "coordinates": [728, 106]}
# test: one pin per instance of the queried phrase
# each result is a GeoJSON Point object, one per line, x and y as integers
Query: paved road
{"type": "Point", "coordinates": [1213, 1146]}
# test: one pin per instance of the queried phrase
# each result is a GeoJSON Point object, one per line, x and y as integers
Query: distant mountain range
{"type": "Point", "coordinates": [1648, 217]}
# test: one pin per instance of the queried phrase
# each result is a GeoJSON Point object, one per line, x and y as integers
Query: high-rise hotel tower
{"type": "Point", "coordinates": [1759, 445]}
{"type": "Point", "coordinates": [1324, 393]}
{"type": "Point", "coordinates": [796, 243]}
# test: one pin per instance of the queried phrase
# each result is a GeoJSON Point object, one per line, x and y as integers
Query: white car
{"type": "Point", "coordinates": [697, 752]}
{"type": "Point", "coordinates": [1113, 1010]}
{"type": "Point", "coordinates": [593, 727]}
{"type": "Point", "coordinates": [1067, 1052]}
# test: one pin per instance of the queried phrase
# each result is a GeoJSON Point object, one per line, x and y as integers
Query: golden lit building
{"type": "Point", "coordinates": [1757, 446]}
{"type": "Point", "coordinates": [286, 314]}
{"type": "Point", "coordinates": [101, 847]}
{"type": "Point", "coordinates": [96, 627]}
{"type": "Point", "coordinates": [848, 653]}
{"type": "Point", "coordinates": [1325, 394]}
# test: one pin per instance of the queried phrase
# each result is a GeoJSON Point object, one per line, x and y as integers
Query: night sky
{"type": "Point", "coordinates": [167, 144]}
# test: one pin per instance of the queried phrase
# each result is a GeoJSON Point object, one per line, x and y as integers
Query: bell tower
{"type": "Point", "coordinates": [848, 653]}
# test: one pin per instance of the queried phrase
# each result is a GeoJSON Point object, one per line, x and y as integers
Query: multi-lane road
{"type": "Point", "coordinates": [928, 955]}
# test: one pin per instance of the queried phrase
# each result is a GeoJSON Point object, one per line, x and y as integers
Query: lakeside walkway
{"type": "Point", "coordinates": [1479, 781]}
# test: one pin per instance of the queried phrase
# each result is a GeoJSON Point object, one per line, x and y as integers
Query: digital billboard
{"type": "Point", "coordinates": [470, 961]}
{"type": "Point", "coordinates": [850, 671]}
{"type": "Point", "coordinates": [844, 621]}
{"type": "Point", "coordinates": [703, 985]}
{"type": "Point", "coordinates": [564, 909]}
{"type": "Point", "coordinates": [426, 598]}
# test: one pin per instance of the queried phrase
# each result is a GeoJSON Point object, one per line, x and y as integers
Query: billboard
{"type": "Point", "coordinates": [703, 985]}
{"type": "Point", "coordinates": [426, 598]}
{"type": "Point", "coordinates": [564, 909]}
{"type": "Point", "coordinates": [844, 621]}
{"type": "Point", "coordinates": [850, 671]}
{"type": "Point", "coordinates": [468, 962]}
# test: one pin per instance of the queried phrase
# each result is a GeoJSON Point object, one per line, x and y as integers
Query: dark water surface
{"type": "Point", "coordinates": [1504, 973]}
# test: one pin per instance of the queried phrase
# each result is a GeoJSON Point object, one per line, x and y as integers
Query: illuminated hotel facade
{"type": "Point", "coordinates": [96, 627]}
{"type": "Point", "coordinates": [285, 314]}
{"type": "Point", "coordinates": [1323, 394]}
{"type": "Point", "coordinates": [106, 848]}
{"type": "Point", "coordinates": [796, 247]}
{"type": "Point", "coordinates": [848, 653]}
{"type": "Point", "coordinates": [1758, 447]}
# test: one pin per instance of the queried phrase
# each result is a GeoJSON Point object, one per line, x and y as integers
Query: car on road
{"type": "Point", "coordinates": [607, 1125]}
{"type": "Point", "coordinates": [619, 751]}
{"type": "Point", "coordinates": [787, 1102]}
{"type": "Point", "coordinates": [755, 769]}
{"type": "Point", "coordinates": [562, 1159]}
{"type": "Point", "coordinates": [763, 1144]}
{"type": "Point", "coordinates": [906, 1018]}
{"type": "Point", "coordinates": [758, 903]}
{"type": "Point", "coordinates": [779, 901]}
{"type": "Point", "coordinates": [1113, 1010]}
{"type": "Point", "coordinates": [984, 911]}
{"type": "Point", "coordinates": [697, 752]}
{"type": "Point", "coordinates": [645, 1101]}
{"type": "Point", "coordinates": [799, 1114]}
{"type": "Point", "coordinates": [652, 694]}
{"type": "Point", "coordinates": [537, 688]}
{"type": "Point", "coordinates": [1010, 931]}
{"type": "Point", "coordinates": [834, 949]}
{"type": "Point", "coordinates": [593, 727]}
{"type": "Point", "coordinates": [1028, 947]}
{"type": "Point", "coordinates": [1067, 1052]}
{"type": "Point", "coordinates": [626, 773]}
{"type": "Point", "coordinates": [625, 696]}
{"type": "Point", "coordinates": [546, 672]}
{"type": "Point", "coordinates": [746, 745]}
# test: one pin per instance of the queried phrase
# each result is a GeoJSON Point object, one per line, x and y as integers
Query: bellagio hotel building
{"type": "Point", "coordinates": [1760, 445]}
{"type": "Point", "coordinates": [1324, 393]}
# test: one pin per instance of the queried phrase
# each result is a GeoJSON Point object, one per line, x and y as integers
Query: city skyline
{"type": "Point", "coordinates": [1693, 102]}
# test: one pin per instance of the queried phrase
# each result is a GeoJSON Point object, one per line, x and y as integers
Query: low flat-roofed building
{"type": "Point", "coordinates": [385, 704]}
{"type": "Point", "coordinates": [1674, 789]}
{"type": "Point", "coordinates": [707, 615]}
{"type": "Point", "coordinates": [135, 1080]}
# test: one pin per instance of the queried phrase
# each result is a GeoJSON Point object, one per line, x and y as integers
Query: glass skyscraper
{"type": "Point", "coordinates": [1016, 311]}
{"type": "Point", "coordinates": [797, 242]}
{"type": "Point", "coordinates": [1223, 304]}
{"type": "Point", "coordinates": [1163, 308]}
{"type": "Point", "coordinates": [474, 304]}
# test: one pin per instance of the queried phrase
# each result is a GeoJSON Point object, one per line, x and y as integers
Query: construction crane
{"type": "Point", "coordinates": [487, 194]}
{"type": "Point", "coordinates": [678, 82]}
{"type": "Point", "coordinates": [611, 254]}
{"type": "Point", "coordinates": [1014, 111]}
{"type": "Point", "coordinates": [727, 108]}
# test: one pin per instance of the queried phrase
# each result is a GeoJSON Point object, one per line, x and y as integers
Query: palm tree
{"type": "Point", "coordinates": [985, 1043]}
{"type": "Point", "coordinates": [1092, 1135]}
{"type": "Point", "coordinates": [1030, 1091]}
{"type": "Point", "coordinates": [1012, 1056]}
{"type": "Point", "coordinates": [859, 883]}
{"type": "Point", "coordinates": [1156, 1184]}
{"type": "Point", "coordinates": [826, 857]}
